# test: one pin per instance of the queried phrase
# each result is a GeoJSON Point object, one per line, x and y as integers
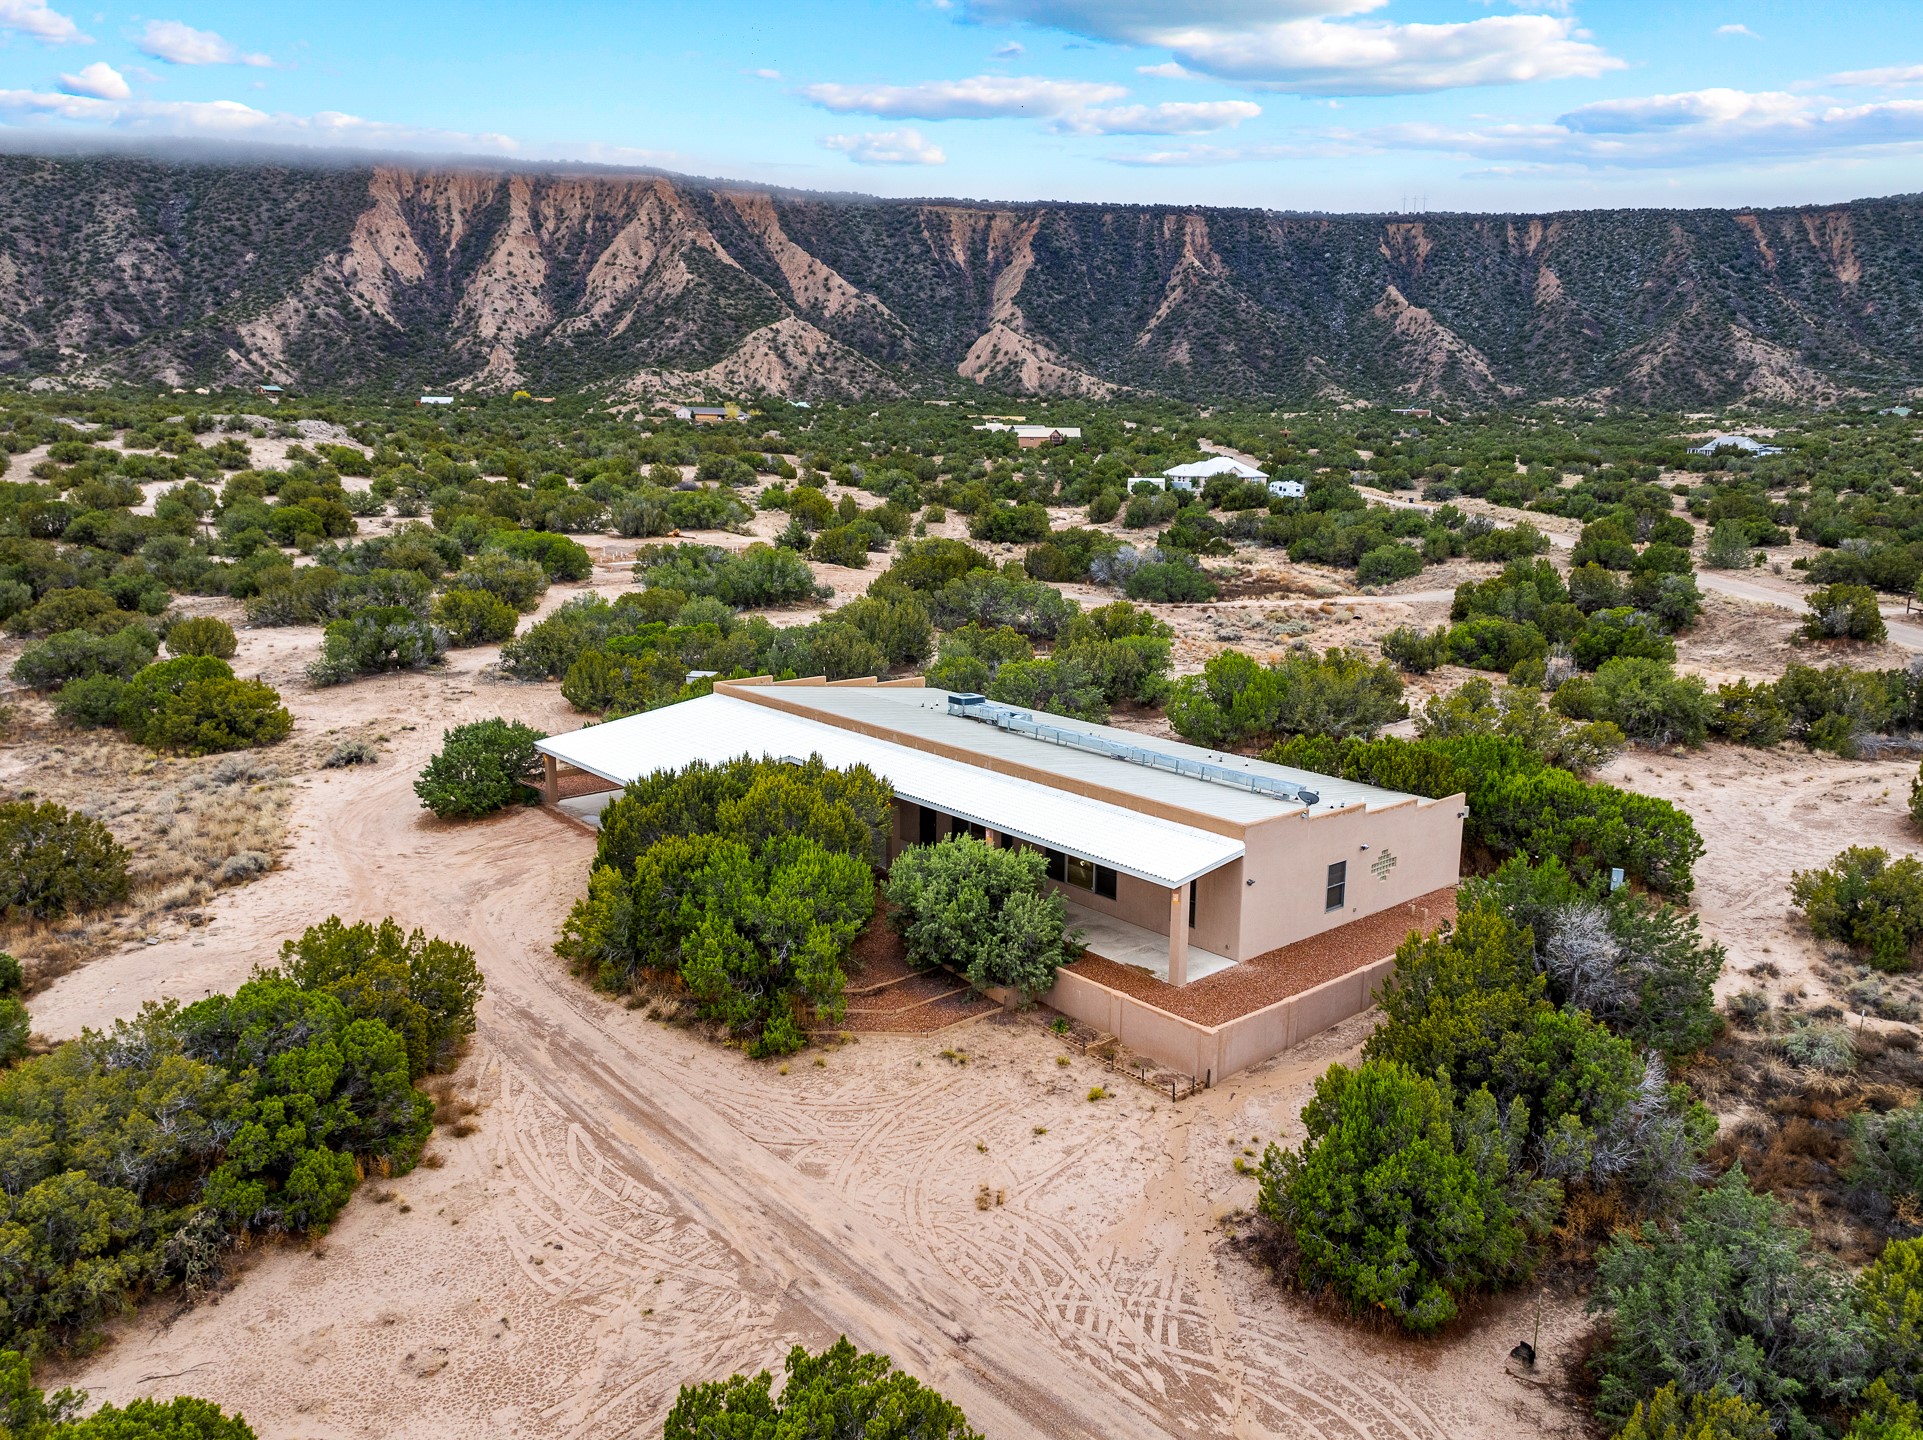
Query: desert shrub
{"type": "Point", "coordinates": [747, 880]}
{"type": "Point", "coordinates": [1516, 712]}
{"type": "Point", "coordinates": [1065, 557]}
{"type": "Point", "coordinates": [1728, 1300]}
{"type": "Point", "coordinates": [761, 575]}
{"type": "Point", "coordinates": [195, 705]}
{"type": "Point", "coordinates": [16, 1027]}
{"type": "Point", "coordinates": [894, 621]}
{"type": "Point", "coordinates": [1645, 699]}
{"type": "Point", "coordinates": [1834, 707]}
{"type": "Point", "coordinates": [350, 752]}
{"type": "Point", "coordinates": [202, 635]}
{"type": "Point", "coordinates": [1487, 643]}
{"type": "Point", "coordinates": [982, 910]}
{"type": "Point", "coordinates": [1886, 1163]}
{"type": "Point", "coordinates": [91, 703]}
{"type": "Point", "coordinates": [928, 565]}
{"type": "Point", "coordinates": [1669, 1415]}
{"type": "Point", "coordinates": [1890, 1296]}
{"type": "Point", "coordinates": [1728, 547]}
{"type": "Point", "coordinates": [1845, 612]}
{"type": "Point", "coordinates": [1236, 699]}
{"type": "Point", "coordinates": [374, 641]}
{"type": "Point", "coordinates": [1521, 805]}
{"type": "Point", "coordinates": [79, 607]}
{"type": "Point", "coordinates": [1059, 687]}
{"type": "Point", "coordinates": [1621, 633]}
{"type": "Point", "coordinates": [480, 768]}
{"type": "Point", "coordinates": [991, 598]}
{"type": "Point", "coordinates": [840, 1392]}
{"type": "Point", "coordinates": [520, 583]}
{"type": "Point", "coordinates": [422, 988]}
{"type": "Point", "coordinates": [1402, 1201]}
{"type": "Point", "coordinates": [1638, 965]}
{"type": "Point", "coordinates": [1416, 651]}
{"type": "Point", "coordinates": [1868, 901]}
{"type": "Point", "coordinates": [972, 655]}
{"type": "Point", "coordinates": [75, 654]}
{"type": "Point", "coordinates": [565, 561]}
{"type": "Point", "coordinates": [27, 1413]}
{"type": "Point", "coordinates": [1746, 714]}
{"type": "Point", "coordinates": [1886, 1415]}
{"type": "Point", "coordinates": [1169, 578]}
{"type": "Point", "coordinates": [1009, 524]}
{"type": "Point", "coordinates": [1387, 564]}
{"type": "Point", "coordinates": [56, 861]}
{"type": "Point", "coordinates": [1125, 650]}
{"type": "Point", "coordinates": [475, 617]}
{"type": "Point", "coordinates": [275, 1098]}
{"type": "Point", "coordinates": [550, 646]}
{"type": "Point", "coordinates": [844, 545]}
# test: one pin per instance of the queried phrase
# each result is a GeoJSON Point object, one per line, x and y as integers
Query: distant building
{"type": "Point", "coordinates": [1030, 437]}
{"type": "Point", "coordinates": [702, 414]}
{"type": "Point", "coordinates": [435, 400]}
{"type": "Point", "coordinates": [268, 390]}
{"type": "Point", "coordinates": [1213, 466]}
{"type": "Point", "coordinates": [1901, 411]}
{"type": "Point", "coordinates": [1744, 443]}
{"type": "Point", "coordinates": [1287, 489]}
{"type": "Point", "coordinates": [1418, 414]}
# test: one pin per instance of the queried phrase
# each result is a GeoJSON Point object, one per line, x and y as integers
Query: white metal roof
{"type": "Point", "coordinates": [1214, 465]}
{"type": "Point", "coordinates": [716, 728]}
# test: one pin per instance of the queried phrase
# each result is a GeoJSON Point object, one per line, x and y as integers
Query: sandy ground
{"type": "Point", "coordinates": [639, 1208]}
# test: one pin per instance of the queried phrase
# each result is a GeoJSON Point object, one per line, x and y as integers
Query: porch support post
{"type": "Point", "coordinates": [1178, 935]}
{"type": "Point", "coordinates": [550, 780]}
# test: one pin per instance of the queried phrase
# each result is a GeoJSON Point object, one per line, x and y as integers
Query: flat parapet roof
{"type": "Point", "coordinates": [923, 715]}
{"type": "Point", "coordinates": [717, 728]}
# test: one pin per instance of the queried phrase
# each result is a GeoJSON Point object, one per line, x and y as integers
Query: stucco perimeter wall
{"type": "Point", "coordinates": [1211, 1052]}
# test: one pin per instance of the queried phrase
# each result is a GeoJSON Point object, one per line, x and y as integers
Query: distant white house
{"type": "Point", "coordinates": [1743, 443]}
{"type": "Point", "coordinates": [435, 400]}
{"type": "Point", "coordinates": [1191, 477]}
{"type": "Point", "coordinates": [1030, 437]}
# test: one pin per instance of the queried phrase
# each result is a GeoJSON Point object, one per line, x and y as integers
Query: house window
{"type": "Point", "coordinates": [1191, 904]}
{"type": "Point", "coordinates": [980, 832]}
{"type": "Point", "coordinates": [930, 823]}
{"type": "Point", "coordinates": [1338, 891]}
{"type": "Point", "coordinates": [1082, 874]}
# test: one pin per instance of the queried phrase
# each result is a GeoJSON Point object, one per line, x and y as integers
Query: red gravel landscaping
{"type": "Point", "coordinates": [1245, 988]}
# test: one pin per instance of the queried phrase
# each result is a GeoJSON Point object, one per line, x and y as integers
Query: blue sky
{"type": "Point", "coordinates": [1291, 104]}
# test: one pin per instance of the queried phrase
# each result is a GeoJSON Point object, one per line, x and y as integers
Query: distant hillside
{"type": "Point", "coordinates": [144, 269]}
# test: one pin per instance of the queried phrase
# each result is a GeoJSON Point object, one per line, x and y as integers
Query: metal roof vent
{"type": "Point", "coordinates": [1022, 722]}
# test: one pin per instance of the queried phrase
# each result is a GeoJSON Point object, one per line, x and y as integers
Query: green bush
{"type": "Point", "coordinates": [1487, 643]}
{"type": "Point", "coordinates": [984, 911]}
{"type": "Point", "coordinates": [91, 703]}
{"type": "Point", "coordinates": [1868, 901]}
{"type": "Point", "coordinates": [991, 598]}
{"type": "Point", "coordinates": [55, 861]}
{"type": "Point", "coordinates": [840, 1393]}
{"type": "Point", "coordinates": [1387, 564]}
{"type": "Point", "coordinates": [1516, 712]}
{"type": "Point", "coordinates": [1671, 1416]}
{"type": "Point", "coordinates": [1886, 1415]}
{"type": "Point", "coordinates": [894, 621]}
{"type": "Point", "coordinates": [1833, 708]}
{"type": "Point", "coordinates": [1236, 699]}
{"type": "Point", "coordinates": [748, 881]}
{"type": "Point", "coordinates": [28, 1414]}
{"type": "Point", "coordinates": [480, 768]}
{"type": "Point", "coordinates": [1890, 1295]}
{"type": "Point", "coordinates": [1728, 547]}
{"type": "Point", "coordinates": [377, 640]}
{"type": "Point", "coordinates": [1845, 612]}
{"type": "Point", "coordinates": [1621, 633]}
{"type": "Point", "coordinates": [475, 617]}
{"type": "Point", "coordinates": [761, 575]}
{"type": "Point", "coordinates": [1400, 1200]}
{"type": "Point", "coordinates": [202, 635]}
{"type": "Point", "coordinates": [844, 545]}
{"type": "Point", "coordinates": [1645, 699]}
{"type": "Point", "coordinates": [565, 561]}
{"type": "Point", "coordinates": [1747, 714]}
{"type": "Point", "coordinates": [422, 988]}
{"type": "Point", "coordinates": [1728, 1301]}
{"type": "Point", "coordinates": [75, 654]}
{"type": "Point", "coordinates": [1169, 579]}
{"type": "Point", "coordinates": [1416, 652]}
{"type": "Point", "coordinates": [1886, 1163]}
{"type": "Point", "coordinates": [520, 583]}
{"type": "Point", "coordinates": [1009, 524]}
{"type": "Point", "coordinates": [194, 704]}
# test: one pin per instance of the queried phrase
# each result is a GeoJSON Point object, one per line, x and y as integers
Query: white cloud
{"type": "Point", "coordinates": [1201, 154]}
{"type": "Point", "coordinates": [766, 74]}
{"type": "Point", "coordinates": [1742, 30]}
{"type": "Point", "coordinates": [1887, 76]}
{"type": "Point", "coordinates": [1175, 118]}
{"type": "Point", "coordinates": [231, 120]}
{"type": "Point", "coordinates": [1701, 127]}
{"type": "Point", "coordinates": [32, 17]}
{"type": "Point", "coordinates": [1167, 70]}
{"type": "Point", "coordinates": [99, 80]}
{"type": "Point", "coordinates": [886, 147]}
{"type": "Point", "coordinates": [984, 97]}
{"type": "Point", "coordinates": [181, 44]}
{"type": "Point", "coordinates": [1320, 47]}
{"type": "Point", "coordinates": [1013, 50]}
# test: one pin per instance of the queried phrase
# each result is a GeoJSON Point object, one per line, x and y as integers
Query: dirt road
{"type": "Point", "coordinates": [639, 1208]}
{"type": "Point", "coordinates": [1903, 631]}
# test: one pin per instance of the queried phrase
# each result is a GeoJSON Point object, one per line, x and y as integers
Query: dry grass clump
{"type": "Point", "coordinates": [193, 825]}
{"type": "Point", "coordinates": [455, 1104]}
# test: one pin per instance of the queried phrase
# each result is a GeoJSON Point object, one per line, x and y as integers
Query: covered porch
{"type": "Point", "coordinates": [1169, 958]}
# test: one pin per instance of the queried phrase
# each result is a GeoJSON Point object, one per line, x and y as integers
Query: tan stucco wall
{"type": "Point", "coordinates": [1288, 858]}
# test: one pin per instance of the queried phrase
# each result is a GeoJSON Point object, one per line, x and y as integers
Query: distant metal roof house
{"type": "Point", "coordinates": [1213, 466]}
{"type": "Point", "coordinates": [435, 400]}
{"type": "Point", "coordinates": [1744, 443]}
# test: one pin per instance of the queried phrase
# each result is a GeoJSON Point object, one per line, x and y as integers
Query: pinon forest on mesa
{"type": "Point", "coordinates": [132, 268]}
